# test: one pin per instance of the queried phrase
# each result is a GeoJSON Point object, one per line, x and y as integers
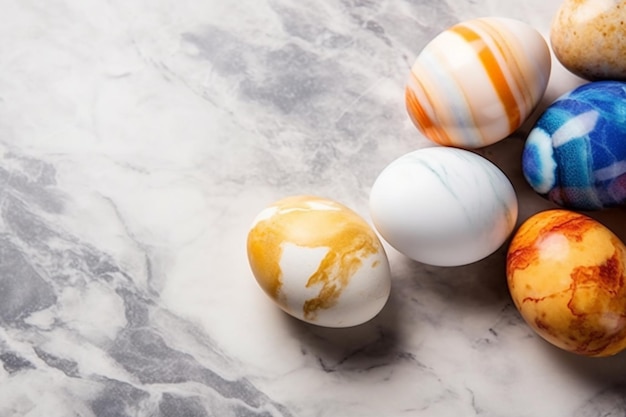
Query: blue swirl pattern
{"type": "Point", "coordinates": [575, 155]}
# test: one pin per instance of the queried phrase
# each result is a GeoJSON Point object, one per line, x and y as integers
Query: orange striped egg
{"type": "Point", "coordinates": [478, 81]}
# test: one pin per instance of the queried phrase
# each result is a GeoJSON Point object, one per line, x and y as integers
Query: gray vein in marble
{"type": "Point", "coordinates": [12, 362]}
{"type": "Point", "coordinates": [39, 264]}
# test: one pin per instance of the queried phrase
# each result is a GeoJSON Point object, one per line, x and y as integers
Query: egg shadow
{"type": "Point", "coordinates": [613, 219]}
{"type": "Point", "coordinates": [603, 372]}
{"type": "Point", "coordinates": [475, 286]}
{"type": "Point", "coordinates": [507, 155]}
{"type": "Point", "coordinates": [370, 345]}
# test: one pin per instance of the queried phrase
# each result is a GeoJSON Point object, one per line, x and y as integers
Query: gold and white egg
{"type": "Point", "coordinates": [319, 261]}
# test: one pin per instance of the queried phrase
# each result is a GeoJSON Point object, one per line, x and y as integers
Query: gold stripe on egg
{"type": "Point", "coordinates": [264, 253]}
{"type": "Point", "coordinates": [420, 115]}
{"type": "Point", "coordinates": [494, 73]}
{"type": "Point", "coordinates": [507, 45]}
{"type": "Point", "coordinates": [454, 138]}
{"type": "Point", "coordinates": [439, 101]}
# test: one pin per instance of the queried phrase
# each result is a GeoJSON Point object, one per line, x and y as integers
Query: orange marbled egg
{"type": "Point", "coordinates": [566, 275]}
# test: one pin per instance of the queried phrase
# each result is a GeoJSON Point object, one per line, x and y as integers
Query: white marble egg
{"type": "Point", "coordinates": [319, 261]}
{"type": "Point", "coordinates": [443, 206]}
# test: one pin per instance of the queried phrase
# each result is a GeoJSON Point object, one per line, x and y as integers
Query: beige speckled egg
{"type": "Point", "coordinates": [589, 38]}
{"type": "Point", "coordinates": [319, 261]}
{"type": "Point", "coordinates": [567, 277]}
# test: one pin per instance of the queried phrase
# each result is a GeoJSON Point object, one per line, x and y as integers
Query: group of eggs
{"type": "Point", "coordinates": [471, 86]}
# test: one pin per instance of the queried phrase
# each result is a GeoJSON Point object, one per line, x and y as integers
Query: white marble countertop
{"type": "Point", "coordinates": [138, 140]}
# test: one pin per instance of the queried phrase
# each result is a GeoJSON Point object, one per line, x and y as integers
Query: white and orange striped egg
{"type": "Point", "coordinates": [478, 81]}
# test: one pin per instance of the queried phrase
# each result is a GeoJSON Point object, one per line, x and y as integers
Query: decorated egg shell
{"type": "Point", "coordinates": [566, 275]}
{"type": "Point", "coordinates": [477, 82]}
{"type": "Point", "coordinates": [589, 38]}
{"type": "Point", "coordinates": [319, 261]}
{"type": "Point", "coordinates": [443, 206]}
{"type": "Point", "coordinates": [575, 155]}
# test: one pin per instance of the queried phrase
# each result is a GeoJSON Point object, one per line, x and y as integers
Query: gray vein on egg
{"type": "Point", "coordinates": [444, 177]}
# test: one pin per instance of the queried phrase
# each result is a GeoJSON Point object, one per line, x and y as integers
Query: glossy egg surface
{"type": "Point", "coordinates": [319, 261]}
{"type": "Point", "coordinates": [589, 38]}
{"type": "Point", "coordinates": [443, 206]}
{"type": "Point", "coordinates": [566, 277]}
{"type": "Point", "coordinates": [478, 81]}
{"type": "Point", "coordinates": [576, 153]}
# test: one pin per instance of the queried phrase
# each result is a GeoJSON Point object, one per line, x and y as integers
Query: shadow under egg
{"type": "Point", "coordinates": [375, 343]}
{"type": "Point", "coordinates": [507, 155]}
{"type": "Point", "coordinates": [609, 371]}
{"type": "Point", "coordinates": [478, 285]}
{"type": "Point", "coordinates": [613, 219]}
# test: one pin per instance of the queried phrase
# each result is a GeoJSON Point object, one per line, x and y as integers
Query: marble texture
{"type": "Point", "coordinates": [139, 139]}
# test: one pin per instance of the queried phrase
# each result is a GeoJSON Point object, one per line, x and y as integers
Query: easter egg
{"type": "Point", "coordinates": [319, 261]}
{"type": "Point", "coordinates": [575, 155]}
{"type": "Point", "coordinates": [566, 275]}
{"type": "Point", "coordinates": [443, 206]}
{"type": "Point", "coordinates": [477, 82]}
{"type": "Point", "coordinates": [589, 38]}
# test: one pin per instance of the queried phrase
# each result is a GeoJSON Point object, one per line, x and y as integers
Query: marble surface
{"type": "Point", "coordinates": [138, 140]}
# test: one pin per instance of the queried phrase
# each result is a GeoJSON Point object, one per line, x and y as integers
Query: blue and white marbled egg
{"type": "Point", "coordinates": [575, 155]}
